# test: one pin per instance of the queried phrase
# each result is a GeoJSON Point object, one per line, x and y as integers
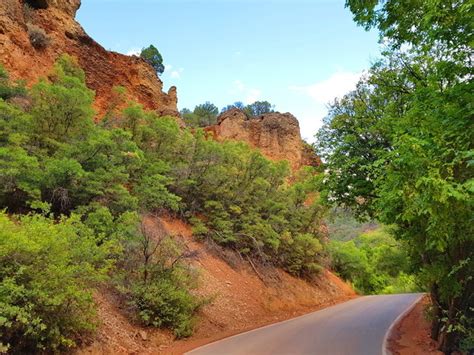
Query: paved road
{"type": "Point", "coordinates": [356, 327]}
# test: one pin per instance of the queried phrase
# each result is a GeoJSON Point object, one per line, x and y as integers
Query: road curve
{"type": "Point", "coordinates": [356, 327]}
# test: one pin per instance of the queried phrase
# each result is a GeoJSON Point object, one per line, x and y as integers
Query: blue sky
{"type": "Point", "coordinates": [297, 54]}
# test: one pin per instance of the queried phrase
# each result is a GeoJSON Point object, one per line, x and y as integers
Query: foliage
{"type": "Point", "coordinates": [47, 271]}
{"type": "Point", "coordinates": [400, 147]}
{"type": "Point", "coordinates": [258, 108]}
{"type": "Point", "coordinates": [7, 89]}
{"type": "Point", "coordinates": [55, 160]}
{"type": "Point", "coordinates": [374, 262]}
{"type": "Point", "coordinates": [62, 109]}
{"type": "Point", "coordinates": [202, 116]}
{"type": "Point", "coordinates": [163, 303]}
{"type": "Point", "coordinates": [343, 226]}
{"type": "Point", "coordinates": [251, 110]}
{"type": "Point", "coordinates": [238, 105]}
{"type": "Point", "coordinates": [153, 57]}
{"type": "Point", "coordinates": [157, 282]}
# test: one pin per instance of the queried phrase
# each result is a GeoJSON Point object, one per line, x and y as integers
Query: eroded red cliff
{"type": "Point", "coordinates": [104, 69]}
{"type": "Point", "coordinates": [276, 135]}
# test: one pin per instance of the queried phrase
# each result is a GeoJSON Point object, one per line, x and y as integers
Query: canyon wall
{"type": "Point", "coordinates": [104, 69]}
{"type": "Point", "coordinates": [276, 135]}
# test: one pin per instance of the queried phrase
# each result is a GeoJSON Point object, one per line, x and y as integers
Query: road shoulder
{"type": "Point", "coordinates": [410, 335]}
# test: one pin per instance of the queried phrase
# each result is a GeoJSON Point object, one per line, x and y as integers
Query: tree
{"type": "Point", "coordinates": [48, 269]}
{"type": "Point", "coordinates": [259, 108]}
{"type": "Point", "coordinates": [412, 164]}
{"type": "Point", "coordinates": [207, 112]}
{"type": "Point", "coordinates": [7, 90]}
{"type": "Point", "coordinates": [153, 57]}
{"type": "Point", "coordinates": [238, 105]}
{"type": "Point", "coordinates": [203, 115]}
{"type": "Point", "coordinates": [62, 109]}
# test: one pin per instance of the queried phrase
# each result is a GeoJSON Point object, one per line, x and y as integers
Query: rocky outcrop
{"type": "Point", "coordinates": [104, 69]}
{"type": "Point", "coordinates": [276, 135]}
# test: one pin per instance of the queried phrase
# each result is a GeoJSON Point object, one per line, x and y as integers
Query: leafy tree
{"type": "Point", "coordinates": [7, 90]}
{"type": "Point", "coordinates": [20, 177]}
{"type": "Point", "coordinates": [259, 108]}
{"type": "Point", "coordinates": [238, 105]}
{"type": "Point", "coordinates": [158, 282]}
{"type": "Point", "coordinates": [206, 113]}
{"type": "Point", "coordinates": [203, 115]}
{"type": "Point", "coordinates": [374, 262]}
{"type": "Point", "coordinates": [47, 272]}
{"type": "Point", "coordinates": [153, 57]}
{"type": "Point", "coordinates": [415, 165]}
{"type": "Point", "coordinates": [62, 109]}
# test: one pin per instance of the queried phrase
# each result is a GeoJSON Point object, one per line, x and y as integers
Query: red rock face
{"type": "Point", "coordinates": [276, 135]}
{"type": "Point", "coordinates": [104, 69]}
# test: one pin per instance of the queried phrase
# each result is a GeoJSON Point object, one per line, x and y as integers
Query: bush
{"type": "Point", "coordinates": [163, 303]}
{"type": "Point", "coordinates": [157, 283]}
{"type": "Point", "coordinates": [47, 271]}
{"type": "Point", "coordinates": [374, 262]}
{"type": "Point", "coordinates": [8, 90]}
{"type": "Point", "coordinates": [38, 37]}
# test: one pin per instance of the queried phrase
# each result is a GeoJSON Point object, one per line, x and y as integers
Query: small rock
{"type": "Point", "coordinates": [143, 335]}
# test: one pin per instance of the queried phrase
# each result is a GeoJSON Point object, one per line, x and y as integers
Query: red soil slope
{"type": "Point", "coordinates": [241, 301]}
{"type": "Point", "coordinates": [412, 334]}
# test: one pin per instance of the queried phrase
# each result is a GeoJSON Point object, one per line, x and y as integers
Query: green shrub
{"type": "Point", "coordinates": [164, 303]}
{"type": "Point", "coordinates": [47, 271]}
{"type": "Point", "coordinates": [156, 281]}
{"type": "Point", "coordinates": [7, 89]}
{"type": "Point", "coordinates": [374, 262]}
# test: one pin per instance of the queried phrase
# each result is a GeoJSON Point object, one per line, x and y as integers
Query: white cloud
{"type": "Point", "coordinates": [168, 67]}
{"type": "Point", "coordinates": [134, 51]}
{"type": "Point", "coordinates": [327, 90]}
{"type": "Point", "coordinates": [250, 95]}
{"type": "Point", "coordinates": [176, 74]}
{"type": "Point", "coordinates": [311, 113]}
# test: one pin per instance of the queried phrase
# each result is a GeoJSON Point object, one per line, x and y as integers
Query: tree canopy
{"type": "Point", "coordinates": [400, 148]}
{"type": "Point", "coordinates": [153, 57]}
{"type": "Point", "coordinates": [74, 196]}
{"type": "Point", "coordinates": [203, 115]}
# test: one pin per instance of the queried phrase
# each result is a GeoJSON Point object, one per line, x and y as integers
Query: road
{"type": "Point", "coordinates": [356, 327]}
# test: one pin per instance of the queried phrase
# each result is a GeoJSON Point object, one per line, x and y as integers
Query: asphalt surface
{"type": "Point", "coordinates": [356, 327]}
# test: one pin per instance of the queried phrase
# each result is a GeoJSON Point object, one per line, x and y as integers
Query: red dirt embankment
{"type": "Point", "coordinates": [240, 301]}
{"type": "Point", "coordinates": [412, 335]}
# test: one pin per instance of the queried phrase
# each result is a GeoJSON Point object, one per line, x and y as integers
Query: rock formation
{"type": "Point", "coordinates": [64, 34]}
{"type": "Point", "coordinates": [277, 135]}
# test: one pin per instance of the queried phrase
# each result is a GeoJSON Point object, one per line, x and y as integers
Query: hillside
{"type": "Point", "coordinates": [240, 298]}
{"type": "Point", "coordinates": [75, 190]}
{"type": "Point", "coordinates": [276, 135]}
{"type": "Point", "coordinates": [257, 255]}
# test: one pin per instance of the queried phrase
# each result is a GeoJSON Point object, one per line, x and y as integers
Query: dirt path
{"type": "Point", "coordinates": [412, 335]}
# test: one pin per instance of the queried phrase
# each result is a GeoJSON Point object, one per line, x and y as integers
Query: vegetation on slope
{"type": "Point", "coordinates": [70, 184]}
{"type": "Point", "coordinates": [206, 114]}
{"type": "Point", "coordinates": [400, 148]}
{"type": "Point", "coordinates": [374, 262]}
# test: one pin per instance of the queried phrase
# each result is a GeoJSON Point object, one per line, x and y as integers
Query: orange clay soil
{"type": "Point", "coordinates": [241, 301]}
{"type": "Point", "coordinates": [412, 335]}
